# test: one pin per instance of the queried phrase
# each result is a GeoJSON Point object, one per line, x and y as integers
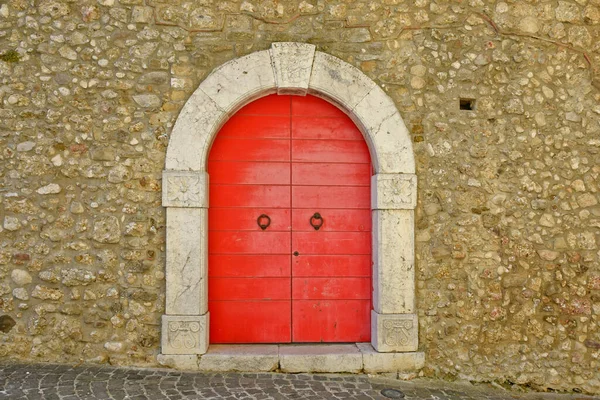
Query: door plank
{"type": "Point", "coordinates": [331, 265]}
{"type": "Point", "coordinates": [242, 242]}
{"type": "Point", "coordinates": [249, 172]}
{"type": "Point", "coordinates": [340, 220]}
{"type": "Point", "coordinates": [321, 197]}
{"type": "Point", "coordinates": [250, 321]}
{"type": "Point", "coordinates": [331, 174]}
{"type": "Point", "coordinates": [339, 151]}
{"type": "Point", "coordinates": [331, 288]}
{"type": "Point", "coordinates": [254, 288]}
{"type": "Point", "coordinates": [331, 321]}
{"type": "Point", "coordinates": [254, 196]}
{"type": "Point", "coordinates": [248, 265]}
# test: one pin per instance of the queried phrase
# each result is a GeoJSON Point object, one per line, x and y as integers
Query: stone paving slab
{"type": "Point", "coordinates": [52, 381]}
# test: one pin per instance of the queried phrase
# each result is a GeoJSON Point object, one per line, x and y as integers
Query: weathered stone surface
{"type": "Point", "coordinates": [507, 211]}
{"type": "Point", "coordinates": [47, 293]}
{"type": "Point", "coordinates": [185, 189]}
{"type": "Point", "coordinates": [240, 81]}
{"type": "Point", "coordinates": [375, 362]}
{"type": "Point", "coordinates": [292, 64]}
{"type": "Point", "coordinates": [107, 230]}
{"type": "Point", "coordinates": [393, 192]}
{"type": "Point", "coordinates": [187, 261]}
{"type": "Point", "coordinates": [320, 358]}
{"type": "Point", "coordinates": [184, 334]}
{"type": "Point", "coordinates": [186, 362]}
{"type": "Point", "coordinates": [147, 100]}
{"type": "Point", "coordinates": [385, 132]}
{"type": "Point", "coordinates": [51, 188]}
{"type": "Point", "coordinates": [334, 79]}
{"type": "Point", "coordinates": [393, 254]}
{"type": "Point", "coordinates": [251, 358]}
{"type": "Point", "coordinates": [11, 223]}
{"type": "Point", "coordinates": [196, 123]}
{"type": "Point", "coordinates": [394, 332]}
{"type": "Point", "coordinates": [20, 294]}
{"type": "Point", "coordinates": [20, 277]}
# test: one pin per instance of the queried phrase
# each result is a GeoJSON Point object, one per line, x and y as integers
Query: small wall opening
{"type": "Point", "coordinates": [466, 104]}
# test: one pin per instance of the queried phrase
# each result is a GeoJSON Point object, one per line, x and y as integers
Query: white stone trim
{"type": "Point", "coordinates": [393, 192]}
{"type": "Point", "coordinates": [394, 332]}
{"type": "Point", "coordinates": [393, 261]}
{"type": "Point", "coordinates": [326, 358]}
{"type": "Point", "coordinates": [184, 334]}
{"type": "Point", "coordinates": [292, 64]}
{"type": "Point", "coordinates": [187, 261]}
{"type": "Point", "coordinates": [185, 189]}
{"type": "Point", "coordinates": [294, 68]}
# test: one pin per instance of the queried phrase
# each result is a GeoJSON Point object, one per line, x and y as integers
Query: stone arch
{"type": "Point", "coordinates": [289, 68]}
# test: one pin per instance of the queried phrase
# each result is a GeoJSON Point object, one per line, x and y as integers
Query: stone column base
{"type": "Point", "coordinates": [184, 334]}
{"type": "Point", "coordinates": [394, 332]}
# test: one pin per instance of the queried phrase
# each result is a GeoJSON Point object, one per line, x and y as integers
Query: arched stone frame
{"type": "Point", "coordinates": [289, 68]}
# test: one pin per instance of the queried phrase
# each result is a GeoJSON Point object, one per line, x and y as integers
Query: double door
{"type": "Point", "coordinates": [289, 225]}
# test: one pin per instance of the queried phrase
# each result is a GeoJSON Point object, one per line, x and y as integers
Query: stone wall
{"type": "Point", "coordinates": [507, 226]}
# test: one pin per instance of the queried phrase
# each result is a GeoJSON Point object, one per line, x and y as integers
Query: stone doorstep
{"type": "Point", "coordinates": [294, 358]}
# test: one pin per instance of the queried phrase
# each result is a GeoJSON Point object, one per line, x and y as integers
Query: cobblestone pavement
{"type": "Point", "coordinates": [50, 381]}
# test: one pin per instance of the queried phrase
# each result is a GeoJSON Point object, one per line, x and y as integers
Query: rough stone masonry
{"type": "Point", "coordinates": [502, 99]}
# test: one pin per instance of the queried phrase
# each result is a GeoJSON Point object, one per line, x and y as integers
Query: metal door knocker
{"type": "Point", "coordinates": [261, 221]}
{"type": "Point", "coordinates": [316, 221]}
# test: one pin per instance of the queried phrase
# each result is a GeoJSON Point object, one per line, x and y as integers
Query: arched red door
{"type": "Point", "coordinates": [289, 225]}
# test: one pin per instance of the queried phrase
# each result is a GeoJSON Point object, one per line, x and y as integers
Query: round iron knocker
{"type": "Point", "coordinates": [316, 221]}
{"type": "Point", "coordinates": [263, 225]}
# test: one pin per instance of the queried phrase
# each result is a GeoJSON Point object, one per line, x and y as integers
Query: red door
{"type": "Point", "coordinates": [289, 225]}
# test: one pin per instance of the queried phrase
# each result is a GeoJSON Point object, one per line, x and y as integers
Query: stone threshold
{"type": "Point", "coordinates": [296, 358]}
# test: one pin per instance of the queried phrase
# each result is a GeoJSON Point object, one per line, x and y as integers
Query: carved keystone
{"type": "Point", "coordinates": [292, 64]}
{"type": "Point", "coordinates": [394, 191]}
{"type": "Point", "coordinates": [186, 189]}
{"type": "Point", "coordinates": [394, 332]}
{"type": "Point", "coordinates": [184, 334]}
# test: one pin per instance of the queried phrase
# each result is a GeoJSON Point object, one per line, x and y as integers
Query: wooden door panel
{"type": "Point", "coordinates": [253, 288]}
{"type": "Point", "coordinates": [339, 151]}
{"type": "Point", "coordinates": [331, 265]}
{"type": "Point", "coordinates": [242, 242]}
{"type": "Point", "coordinates": [249, 172]}
{"type": "Point", "coordinates": [245, 219]}
{"type": "Point", "coordinates": [250, 321]}
{"type": "Point", "coordinates": [331, 320]}
{"type": "Point", "coordinates": [334, 220]}
{"type": "Point", "coordinates": [249, 265]}
{"type": "Point", "coordinates": [331, 288]}
{"type": "Point", "coordinates": [331, 242]}
{"type": "Point", "coordinates": [268, 105]}
{"type": "Point", "coordinates": [251, 196]}
{"type": "Point", "coordinates": [234, 149]}
{"type": "Point", "coordinates": [289, 157]}
{"type": "Point", "coordinates": [256, 127]}
{"type": "Point", "coordinates": [323, 197]}
{"type": "Point", "coordinates": [311, 106]}
{"type": "Point", "coordinates": [331, 174]}
{"type": "Point", "coordinates": [317, 127]}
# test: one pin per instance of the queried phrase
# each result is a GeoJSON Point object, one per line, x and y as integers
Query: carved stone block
{"type": "Point", "coordinates": [185, 189]}
{"type": "Point", "coordinates": [385, 132]}
{"type": "Point", "coordinates": [339, 81]}
{"type": "Point", "coordinates": [184, 334]}
{"type": "Point", "coordinates": [394, 258]}
{"type": "Point", "coordinates": [187, 261]}
{"type": "Point", "coordinates": [394, 332]}
{"type": "Point", "coordinates": [240, 81]}
{"type": "Point", "coordinates": [394, 191]}
{"type": "Point", "coordinates": [292, 63]}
